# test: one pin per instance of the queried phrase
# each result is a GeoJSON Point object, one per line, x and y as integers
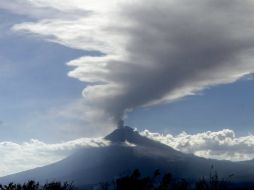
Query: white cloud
{"type": "Point", "coordinates": [152, 51]}
{"type": "Point", "coordinates": [222, 144]}
{"type": "Point", "coordinates": [19, 157]}
{"type": "Point", "coordinates": [149, 60]}
{"type": "Point", "coordinates": [37, 9]}
{"type": "Point", "coordinates": [218, 145]}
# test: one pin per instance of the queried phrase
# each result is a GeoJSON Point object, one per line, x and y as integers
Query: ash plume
{"type": "Point", "coordinates": [155, 51]}
{"type": "Point", "coordinates": [173, 49]}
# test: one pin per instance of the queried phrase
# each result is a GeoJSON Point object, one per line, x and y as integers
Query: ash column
{"type": "Point", "coordinates": [120, 124]}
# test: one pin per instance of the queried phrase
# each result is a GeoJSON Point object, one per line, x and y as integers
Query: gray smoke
{"type": "Point", "coordinates": [174, 49]}
{"type": "Point", "coordinates": [156, 51]}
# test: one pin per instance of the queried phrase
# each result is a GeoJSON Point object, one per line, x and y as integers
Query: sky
{"type": "Point", "coordinates": [69, 70]}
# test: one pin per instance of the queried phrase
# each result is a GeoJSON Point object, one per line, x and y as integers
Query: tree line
{"type": "Point", "coordinates": [135, 181]}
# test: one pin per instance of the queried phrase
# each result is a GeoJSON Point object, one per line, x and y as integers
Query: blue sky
{"type": "Point", "coordinates": [227, 106]}
{"type": "Point", "coordinates": [69, 70]}
{"type": "Point", "coordinates": [34, 81]}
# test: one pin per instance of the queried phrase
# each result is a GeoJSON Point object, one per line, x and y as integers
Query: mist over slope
{"type": "Point", "coordinates": [128, 151]}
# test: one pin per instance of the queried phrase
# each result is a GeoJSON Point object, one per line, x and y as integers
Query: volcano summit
{"type": "Point", "coordinates": [127, 151]}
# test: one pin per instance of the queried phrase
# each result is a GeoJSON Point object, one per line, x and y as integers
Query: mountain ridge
{"type": "Point", "coordinates": [94, 165]}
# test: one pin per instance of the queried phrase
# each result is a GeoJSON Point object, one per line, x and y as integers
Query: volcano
{"type": "Point", "coordinates": [128, 151]}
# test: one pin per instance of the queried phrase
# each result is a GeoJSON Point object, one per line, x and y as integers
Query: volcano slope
{"type": "Point", "coordinates": [127, 151]}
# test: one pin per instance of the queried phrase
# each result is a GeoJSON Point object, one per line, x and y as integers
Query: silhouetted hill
{"type": "Point", "coordinates": [94, 165]}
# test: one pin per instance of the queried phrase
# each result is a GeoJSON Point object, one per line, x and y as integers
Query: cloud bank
{"type": "Point", "coordinates": [223, 145]}
{"type": "Point", "coordinates": [19, 157]}
{"type": "Point", "coordinates": [150, 52]}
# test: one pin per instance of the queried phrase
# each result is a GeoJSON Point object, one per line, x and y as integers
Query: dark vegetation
{"type": "Point", "coordinates": [32, 185]}
{"type": "Point", "coordinates": [135, 181]}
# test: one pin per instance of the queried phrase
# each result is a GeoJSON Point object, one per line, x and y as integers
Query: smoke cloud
{"type": "Point", "coordinates": [152, 52]}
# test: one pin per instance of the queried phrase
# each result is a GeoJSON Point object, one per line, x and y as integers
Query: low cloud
{"type": "Point", "coordinates": [19, 157]}
{"type": "Point", "coordinates": [223, 145]}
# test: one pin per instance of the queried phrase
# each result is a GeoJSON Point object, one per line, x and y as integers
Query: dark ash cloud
{"type": "Point", "coordinates": [175, 49]}
{"type": "Point", "coordinates": [155, 51]}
